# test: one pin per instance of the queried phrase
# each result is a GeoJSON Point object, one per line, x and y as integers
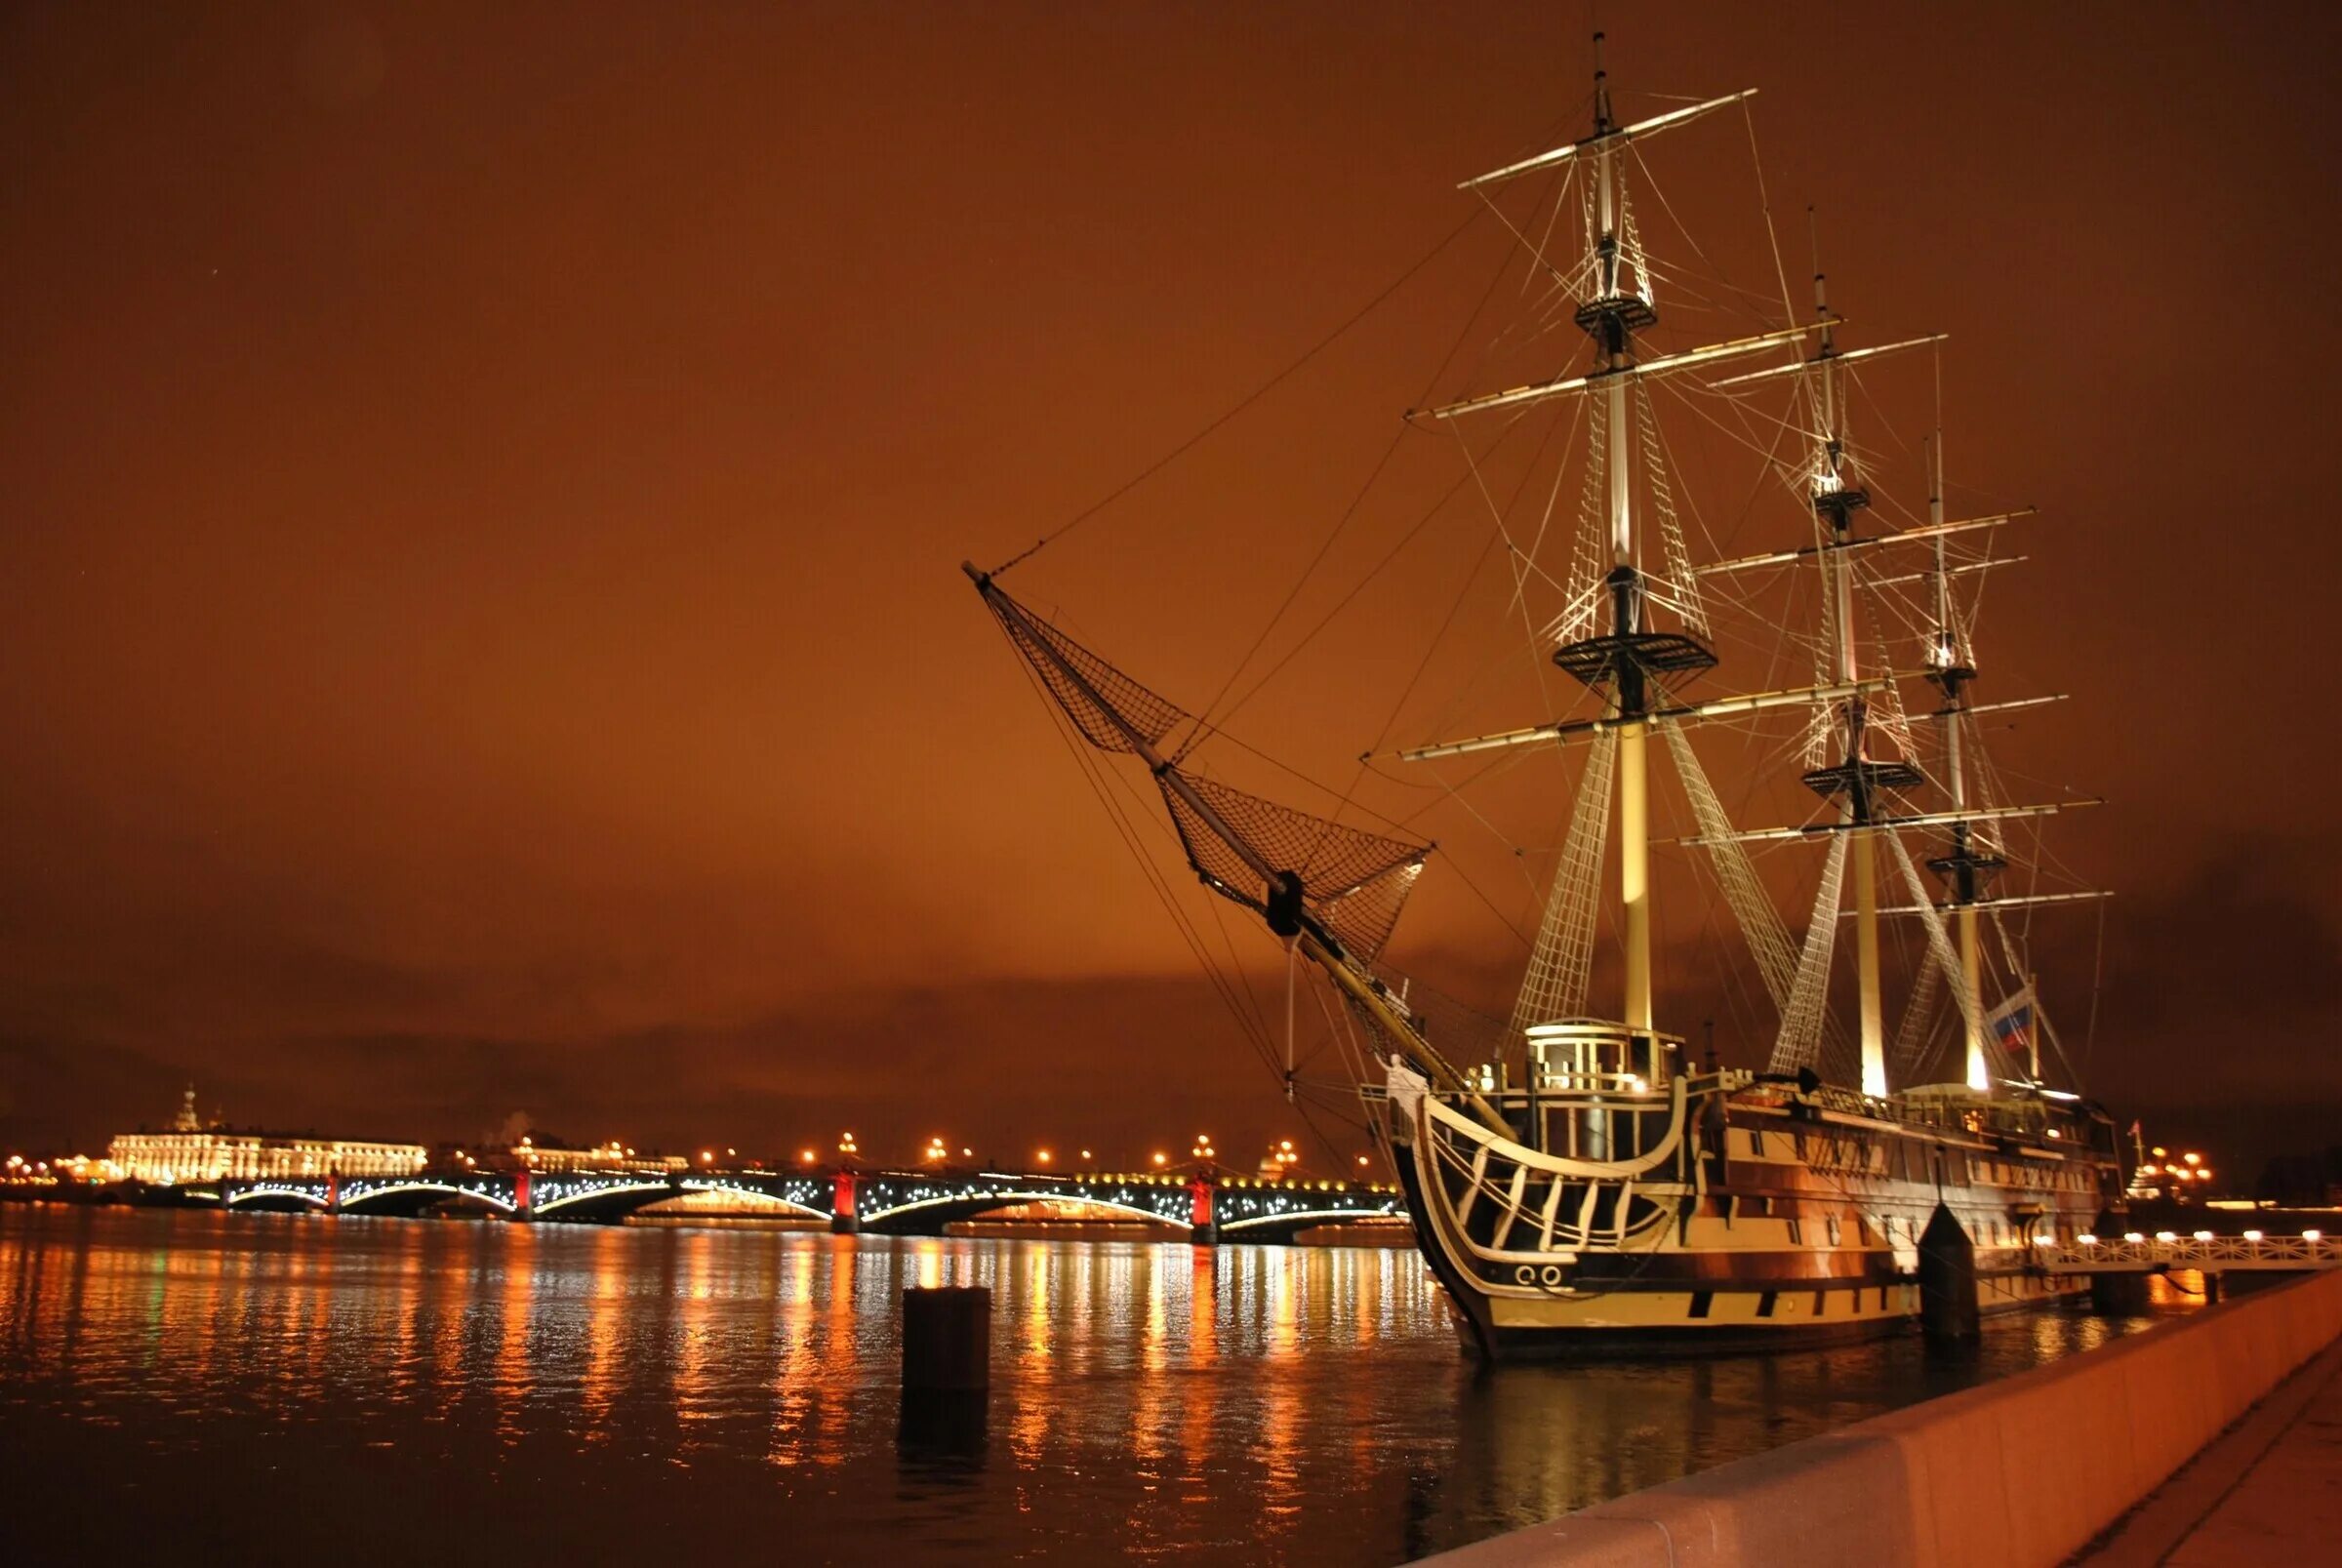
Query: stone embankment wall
{"type": "Point", "coordinates": [2024, 1470]}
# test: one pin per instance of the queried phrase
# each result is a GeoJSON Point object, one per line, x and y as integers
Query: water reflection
{"type": "Point", "coordinates": [664, 1390]}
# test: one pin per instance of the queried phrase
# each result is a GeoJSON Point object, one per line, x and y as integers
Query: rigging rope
{"type": "Point", "coordinates": [1242, 404]}
{"type": "Point", "coordinates": [1563, 960]}
{"type": "Point", "coordinates": [1767, 937]}
{"type": "Point", "coordinates": [1939, 940]}
{"type": "Point", "coordinates": [1917, 1038]}
{"type": "Point", "coordinates": [1799, 1042]}
{"type": "Point", "coordinates": [1676, 588]}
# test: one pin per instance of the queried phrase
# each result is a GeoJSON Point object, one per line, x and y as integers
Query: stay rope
{"type": "Point", "coordinates": [1242, 404]}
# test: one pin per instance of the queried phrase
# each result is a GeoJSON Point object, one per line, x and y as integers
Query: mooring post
{"type": "Point", "coordinates": [947, 1369]}
{"type": "Point", "coordinates": [1948, 1315]}
{"type": "Point", "coordinates": [2124, 1293]}
{"type": "Point", "coordinates": [947, 1339]}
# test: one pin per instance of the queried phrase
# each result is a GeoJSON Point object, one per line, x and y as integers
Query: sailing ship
{"type": "Point", "coordinates": [1584, 1186]}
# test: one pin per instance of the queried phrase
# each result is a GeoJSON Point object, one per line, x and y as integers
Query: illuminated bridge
{"type": "Point", "coordinates": [1206, 1207]}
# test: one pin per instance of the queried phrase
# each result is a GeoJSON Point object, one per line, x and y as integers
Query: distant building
{"type": "Point", "coordinates": [611, 1156]}
{"type": "Point", "coordinates": [192, 1151]}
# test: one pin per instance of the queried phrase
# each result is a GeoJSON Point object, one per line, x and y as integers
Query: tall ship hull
{"type": "Point", "coordinates": [1577, 1185]}
{"type": "Point", "coordinates": [1734, 1216]}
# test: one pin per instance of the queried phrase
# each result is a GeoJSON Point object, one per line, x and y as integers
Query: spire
{"type": "Point", "coordinates": [188, 1121]}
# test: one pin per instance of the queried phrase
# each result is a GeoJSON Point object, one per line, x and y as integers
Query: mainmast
{"type": "Point", "coordinates": [1963, 869]}
{"type": "Point", "coordinates": [1855, 780]}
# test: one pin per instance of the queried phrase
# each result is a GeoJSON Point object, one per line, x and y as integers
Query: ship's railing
{"type": "Point", "coordinates": [2136, 1252]}
{"type": "Point", "coordinates": [1978, 1116]}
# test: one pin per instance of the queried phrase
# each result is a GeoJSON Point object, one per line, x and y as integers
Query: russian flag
{"type": "Point", "coordinates": [2011, 1022]}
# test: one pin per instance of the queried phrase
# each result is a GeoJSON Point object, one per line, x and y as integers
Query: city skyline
{"type": "Point", "coordinates": [485, 635]}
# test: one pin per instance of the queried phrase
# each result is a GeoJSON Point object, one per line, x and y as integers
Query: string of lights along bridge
{"type": "Point", "coordinates": [1196, 1197]}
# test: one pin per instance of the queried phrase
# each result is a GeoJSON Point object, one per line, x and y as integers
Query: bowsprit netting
{"type": "Point", "coordinates": [1092, 693]}
{"type": "Point", "coordinates": [1277, 862]}
{"type": "Point", "coordinates": [1354, 882]}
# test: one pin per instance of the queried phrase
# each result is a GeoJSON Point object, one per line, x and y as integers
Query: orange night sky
{"type": "Point", "coordinates": [483, 490]}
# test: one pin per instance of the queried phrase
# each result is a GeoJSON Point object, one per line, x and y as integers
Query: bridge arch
{"type": "Point", "coordinates": [929, 1215]}
{"type": "Point", "coordinates": [410, 1197]}
{"type": "Point", "coordinates": [755, 1199]}
{"type": "Point", "coordinates": [572, 1199]}
{"type": "Point", "coordinates": [279, 1199]}
{"type": "Point", "coordinates": [1285, 1223]}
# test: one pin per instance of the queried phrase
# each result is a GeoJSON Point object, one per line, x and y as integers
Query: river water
{"type": "Point", "coordinates": [217, 1386]}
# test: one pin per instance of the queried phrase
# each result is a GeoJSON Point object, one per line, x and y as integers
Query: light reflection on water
{"type": "Point", "coordinates": [385, 1388]}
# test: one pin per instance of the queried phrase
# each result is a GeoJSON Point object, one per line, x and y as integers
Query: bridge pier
{"type": "Point", "coordinates": [1202, 1229]}
{"type": "Point", "coordinates": [2120, 1293]}
{"type": "Point", "coordinates": [843, 1221]}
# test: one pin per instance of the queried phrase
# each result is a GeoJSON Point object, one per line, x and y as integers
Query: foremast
{"type": "Point", "coordinates": [1611, 318]}
{"type": "Point", "coordinates": [1630, 662]}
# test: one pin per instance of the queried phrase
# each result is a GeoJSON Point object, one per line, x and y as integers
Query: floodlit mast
{"type": "Point", "coordinates": [1625, 661]}
{"type": "Point", "coordinates": [1857, 779]}
{"type": "Point", "coordinates": [1964, 869]}
{"type": "Point", "coordinates": [1614, 323]}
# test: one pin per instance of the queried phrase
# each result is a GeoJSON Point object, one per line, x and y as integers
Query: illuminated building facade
{"type": "Point", "coordinates": [191, 1151]}
{"type": "Point", "coordinates": [611, 1156]}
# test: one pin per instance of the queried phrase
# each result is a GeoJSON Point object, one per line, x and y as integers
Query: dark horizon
{"type": "Point", "coordinates": [485, 494]}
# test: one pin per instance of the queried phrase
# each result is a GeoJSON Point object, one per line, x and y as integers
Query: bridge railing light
{"type": "Point", "coordinates": [2088, 1240]}
{"type": "Point", "coordinates": [2312, 1235]}
{"type": "Point", "coordinates": [2252, 1235]}
{"type": "Point", "coordinates": [2133, 1237]}
{"type": "Point", "coordinates": [2204, 1236]}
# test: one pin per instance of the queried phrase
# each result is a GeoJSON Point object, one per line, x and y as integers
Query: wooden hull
{"type": "Point", "coordinates": [1775, 1225]}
